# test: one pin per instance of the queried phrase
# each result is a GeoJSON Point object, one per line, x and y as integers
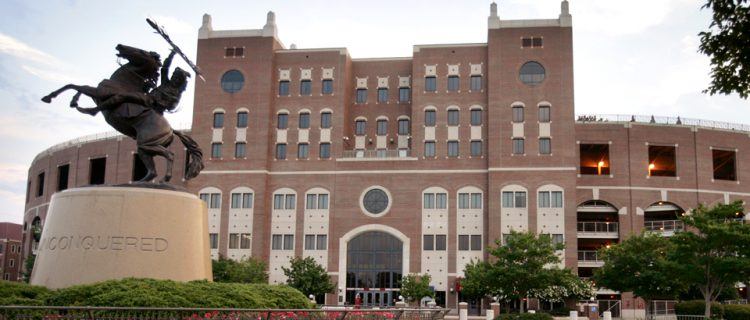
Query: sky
{"type": "Point", "coordinates": [630, 57]}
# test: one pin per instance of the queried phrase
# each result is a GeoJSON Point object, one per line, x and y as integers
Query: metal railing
{"type": "Point", "coordinates": [663, 120]}
{"type": "Point", "coordinates": [598, 227]}
{"type": "Point", "coordinates": [128, 313]}
{"type": "Point", "coordinates": [376, 154]}
{"type": "Point", "coordinates": [664, 225]}
{"type": "Point", "coordinates": [588, 256]}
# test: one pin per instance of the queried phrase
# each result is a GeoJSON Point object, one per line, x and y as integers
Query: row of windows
{"type": "Point", "coordinates": [518, 114]}
{"type": "Point", "coordinates": [282, 242]}
{"type": "Point", "coordinates": [545, 146]}
{"type": "Point", "coordinates": [546, 199]}
{"type": "Point", "coordinates": [282, 120]}
{"type": "Point", "coordinates": [469, 242]}
{"type": "Point", "coordinates": [303, 151]}
{"type": "Point", "coordinates": [305, 87]}
{"type": "Point", "coordinates": [360, 127]}
{"type": "Point", "coordinates": [454, 83]}
{"type": "Point", "coordinates": [404, 95]}
{"type": "Point", "coordinates": [12, 248]}
{"type": "Point", "coordinates": [453, 150]}
{"type": "Point", "coordinates": [317, 201]}
{"type": "Point", "coordinates": [239, 241]}
{"type": "Point", "coordinates": [430, 117]}
{"type": "Point", "coordinates": [219, 120]}
{"type": "Point", "coordinates": [316, 242]}
{"type": "Point", "coordinates": [434, 242]}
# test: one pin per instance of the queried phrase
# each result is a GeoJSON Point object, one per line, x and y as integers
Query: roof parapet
{"type": "Point", "coordinates": [206, 30]}
{"type": "Point", "coordinates": [563, 20]}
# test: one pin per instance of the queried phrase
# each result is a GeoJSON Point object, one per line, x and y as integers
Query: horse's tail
{"type": "Point", "coordinates": [195, 163]}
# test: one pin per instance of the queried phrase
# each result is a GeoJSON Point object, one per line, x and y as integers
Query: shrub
{"type": "Point", "coordinates": [21, 294]}
{"type": "Point", "coordinates": [736, 312]}
{"type": "Point", "coordinates": [697, 308]}
{"type": "Point", "coordinates": [524, 316]}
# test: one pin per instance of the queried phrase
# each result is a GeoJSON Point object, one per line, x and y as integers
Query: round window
{"type": "Point", "coordinates": [375, 201]}
{"type": "Point", "coordinates": [531, 73]}
{"type": "Point", "coordinates": [232, 81]}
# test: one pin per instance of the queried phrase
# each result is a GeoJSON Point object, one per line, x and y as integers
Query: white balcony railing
{"type": "Point", "coordinates": [599, 230]}
{"type": "Point", "coordinates": [678, 121]}
{"type": "Point", "coordinates": [589, 258]}
{"type": "Point", "coordinates": [664, 226]}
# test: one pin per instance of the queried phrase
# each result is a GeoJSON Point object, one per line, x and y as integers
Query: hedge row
{"type": "Point", "coordinates": [524, 316]}
{"type": "Point", "coordinates": [725, 311]}
{"type": "Point", "coordinates": [158, 293]}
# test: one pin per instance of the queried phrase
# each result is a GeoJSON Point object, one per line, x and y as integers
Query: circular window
{"type": "Point", "coordinates": [232, 81]}
{"type": "Point", "coordinates": [375, 201]}
{"type": "Point", "coordinates": [531, 73]}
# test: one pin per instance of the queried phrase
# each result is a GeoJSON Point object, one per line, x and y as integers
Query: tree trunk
{"type": "Point", "coordinates": [707, 299]}
{"type": "Point", "coordinates": [521, 307]}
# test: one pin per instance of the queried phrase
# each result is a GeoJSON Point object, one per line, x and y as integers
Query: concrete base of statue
{"type": "Point", "coordinates": [101, 233]}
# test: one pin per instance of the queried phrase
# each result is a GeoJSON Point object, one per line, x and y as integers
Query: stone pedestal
{"type": "Point", "coordinates": [102, 233]}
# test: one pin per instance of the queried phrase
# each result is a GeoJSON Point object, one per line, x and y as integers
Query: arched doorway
{"type": "Point", "coordinates": [374, 266]}
{"type": "Point", "coordinates": [664, 218]}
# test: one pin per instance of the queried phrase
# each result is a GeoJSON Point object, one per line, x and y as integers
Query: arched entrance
{"type": "Point", "coordinates": [664, 218]}
{"type": "Point", "coordinates": [374, 266]}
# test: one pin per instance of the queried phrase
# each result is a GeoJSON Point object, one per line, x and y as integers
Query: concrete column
{"type": "Point", "coordinates": [607, 315]}
{"type": "Point", "coordinates": [574, 315]}
{"type": "Point", "coordinates": [463, 311]}
{"type": "Point", "coordinates": [490, 314]}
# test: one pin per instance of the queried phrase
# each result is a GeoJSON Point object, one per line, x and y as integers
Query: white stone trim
{"type": "Point", "coordinates": [375, 215]}
{"type": "Point", "coordinates": [419, 47]}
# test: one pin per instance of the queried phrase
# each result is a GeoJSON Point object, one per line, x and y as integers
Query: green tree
{"type": "Point", "coordinates": [727, 43]}
{"type": "Point", "coordinates": [475, 284]}
{"type": "Point", "coordinates": [414, 287]}
{"type": "Point", "coordinates": [249, 270]}
{"type": "Point", "coordinates": [715, 255]}
{"type": "Point", "coordinates": [523, 267]}
{"type": "Point", "coordinates": [306, 275]}
{"type": "Point", "coordinates": [640, 265]}
{"type": "Point", "coordinates": [28, 267]}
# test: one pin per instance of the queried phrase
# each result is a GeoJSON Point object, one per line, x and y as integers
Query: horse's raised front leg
{"type": "Point", "coordinates": [157, 150]}
{"type": "Point", "coordinates": [148, 162]}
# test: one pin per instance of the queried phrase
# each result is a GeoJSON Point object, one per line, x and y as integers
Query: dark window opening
{"type": "Point", "coordinates": [62, 177]}
{"type": "Point", "coordinates": [283, 121]}
{"type": "Point", "coordinates": [662, 161]}
{"type": "Point", "coordinates": [325, 150]}
{"type": "Point", "coordinates": [453, 149]}
{"type": "Point", "coordinates": [476, 83]}
{"type": "Point", "coordinates": [430, 84]}
{"type": "Point", "coordinates": [429, 149]}
{"type": "Point", "coordinates": [325, 120]}
{"type": "Point", "coordinates": [403, 127]}
{"type": "Point", "coordinates": [139, 168]}
{"type": "Point", "coordinates": [242, 120]}
{"type": "Point", "coordinates": [40, 185]}
{"type": "Point", "coordinates": [725, 165]}
{"type": "Point", "coordinates": [518, 147]}
{"type": "Point", "coordinates": [382, 94]}
{"type": "Point", "coordinates": [232, 81]}
{"type": "Point", "coordinates": [360, 127]}
{"type": "Point", "coordinates": [429, 118]}
{"type": "Point", "coordinates": [544, 114]}
{"type": "Point", "coordinates": [382, 127]}
{"type": "Point", "coordinates": [361, 95]}
{"type": "Point", "coordinates": [240, 150]}
{"type": "Point", "coordinates": [327, 86]}
{"type": "Point", "coordinates": [531, 42]}
{"type": "Point", "coordinates": [281, 151]}
{"type": "Point", "coordinates": [545, 146]}
{"type": "Point", "coordinates": [218, 120]}
{"type": "Point", "coordinates": [453, 83]}
{"type": "Point", "coordinates": [452, 117]}
{"type": "Point", "coordinates": [304, 120]}
{"type": "Point", "coordinates": [476, 148]}
{"type": "Point", "coordinates": [97, 169]}
{"type": "Point", "coordinates": [594, 159]}
{"type": "Point", "coordinates": [216, 150]}
{"type": "Point", "coordinates": [284, 88]}
{"type": "Point", "coordinates": [404, 94]}
{"type": "Point", "coordinates": [302, 151]}
{"type": "Point", "coordinates": [517, 114]}
{"type": "Point", "coordinates": [28, 190]}
{"type": "Point", "coordinates": [305, 87]}
{"type": "Point", "coordinates": [476, 117]}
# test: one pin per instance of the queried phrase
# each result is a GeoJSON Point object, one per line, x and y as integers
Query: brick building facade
{"type": "Point", "coordinates": [10, 251]}
{"type": "Point", "coordinates": [382, 167]}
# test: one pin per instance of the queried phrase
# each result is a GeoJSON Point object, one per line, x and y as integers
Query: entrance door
{"type": "Point", "coordinates": [372, 299]}
{"type": "Point", "coordinates": [374, 264]}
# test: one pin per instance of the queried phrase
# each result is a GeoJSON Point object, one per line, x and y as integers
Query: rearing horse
{"type": "Point", "coordinates": [134, 118]}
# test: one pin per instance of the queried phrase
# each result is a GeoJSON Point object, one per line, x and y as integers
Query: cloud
{"type": "Point", "coordinates": [12, 173]}
{"type": "Point", "coordinates": [50, 76]}
{"type": "Point", "coordinates": [623, 18]}
{"type": "Point", "coordinates": [13, 205]}
{"type": "Point", "coordinates": [20, 50]}
{"type": "Point", "coordinates": [173, 25]}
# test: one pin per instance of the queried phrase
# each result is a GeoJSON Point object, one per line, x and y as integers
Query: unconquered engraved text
{"type": "Point", "coordinates": [104, 243]}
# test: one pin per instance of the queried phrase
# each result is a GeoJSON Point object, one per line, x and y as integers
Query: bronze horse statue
{"type": "Point", "coordinates": [131, 103]}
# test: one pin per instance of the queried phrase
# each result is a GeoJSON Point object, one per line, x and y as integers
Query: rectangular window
{"type": "Point", "coordinates": [545, 146]}
{"type": "Point", "coordinates": [531, 42]}
{"type": "Point", "coordinates": [544, 199]}
{"type": "Point", "coordinates": [725, 164]}
{"type": "Point", "coordinates": [382, 94]}
{"type": "Point", "coordinates": [239, 150]}
{"type": "Point", "coordinates": [536, 42]}
{"type": "Point", "coordinates": [236, 201]}
{"type": "Point", "coordinates": [247, 200]}
{"type": "Point", "coordinates": [403, 127]}
{"type": "Point", "coordinates": [304, 120]}
{"type": "Point", "coordinates": [381, 153]}
{"type": "Point", "coordinates": [382, 127]}
{"type": "Point", "coordinates": [323, 201]}
{"type": "Point", "coordinates": [361, 95]}
{"type": "Point", "coordinates": [283, 121]}
{"type": "Point", "coordinates": [239, 52]}
{"type": "Point", "coordinates": [284, 88]}
{"type": "Point", "coordinates": [430, 84]}
{"type": "Point", "coordinates": [359, 127]}
{"type": "Point", "coordinates": [463, 242]}
{"type": "Point", "coordinates": [476, 242]}
{"type": "Point", "coordinates": [476, 148]}
{"type": "Point", "coordinates": [517, 114]}
{"type": "Point", "coordinates": [441, 201]}
{"type": "Point", "coordinates": [305, 87]}
{"type": "Point", "coordinates": [325, 150]}
{"type": "Point", "coordinates": [62, 177]}
{"type": "Point", "coordinates": [204, 197]}
{"type": "Point", "coordinates": [476, 83]}
{"type": "Point", "coordinates": [428, 201]}
{"type": "Point", "coordinates": [476, 201]}
{"type": "Point", "coordinates": [40, 185]}
{"type": "Point", "coordinates": [594, 159]}
{"type": "Point", "coordinates": [476, 117]}
{"type": "Point", "coordinates": [312, 201]}
{"type": "Point", "coordinates": [278, 201]}
{"type": "Point", "coordinates": [281, 151]}
{"type": "Point", "coordinates": [309, 242]}
{"type": "Point", "coordinates": [526, 42]}
{"type": "Point", "coordinates": [429, 118]}
{"type": "Point", "coordinates": [97, 170]}
{"type": "Point", "coordinates": [229, 52]}
{"type": "Point", "coordinates": [518, 146]}
{"type": "Point", "coordinates": [520, 199]}
{"type": "Point", "coordinates": [557, 199]}
{"type": "Point", "coordinates": [453, 83]}
{"type": "Point", "coordinates": [441, 242]}
{"type": "Point", "coordinates": [452, 117]}
{"type": "Point", "coordinates": [276, 241]}
{"type": "Point", "coordinates": [216, 150]}
{"type": "Point", "coordinates": [213, 239]}
{"type": "Point", "coordinates": [507, 199]}
{"type": "Point", "coordinates": [244, 241]}
{"type": "Point", "coordinates": [428, 244]}
{"type": "Point", "coordinates": [325, 120]}
{"type": "Point", "coordinates": [662, 161]}
{"type": "Point", "coordinates": [234, 241]}
{"type": "Point", "coordinates": [242, 120]}
{"type": "Point", "coordinates": [453, 149]}
{"type": "Point", "coordinates": [327, 86]}
{"type": "Point", "coordinates": [404, 94]}
{"type": "Point", "coordinates": [558, 238]}
{"type": "Point", "coordinates": [322, 242]}
{"type": "Point", "coordinates": [544, 115]}
{"type": "Point", "coordinates": [218, 120]}
{"type": "Point", "coordinates": [463, 201]}
{"type": "Point", "coordinates": [215, 201]}
{"type": "Point", "coordinates": [290, 201]}
{"type": "Point", "coordinates": [288, 242]}
{"type": "Point", "coordinates": [429, 149]}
